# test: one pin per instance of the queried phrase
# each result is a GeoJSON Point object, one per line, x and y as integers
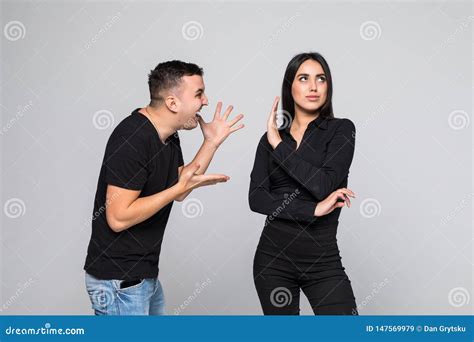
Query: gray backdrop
{"type": "Point", "coordinates": [402, 73]}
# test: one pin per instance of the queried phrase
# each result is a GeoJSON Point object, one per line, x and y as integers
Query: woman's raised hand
{"type": "Point", "coordinates": [273, 135]}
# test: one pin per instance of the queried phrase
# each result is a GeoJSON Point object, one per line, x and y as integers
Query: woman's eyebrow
{"type": "Point", "coordinates": [303, 74]}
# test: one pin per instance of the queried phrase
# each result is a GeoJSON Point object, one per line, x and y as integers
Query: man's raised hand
{"type": "Point", "coordinates": [217, 130]}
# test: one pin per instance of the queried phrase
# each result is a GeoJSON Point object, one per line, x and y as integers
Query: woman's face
{"type": "Point", "coordinates": [309, 88]}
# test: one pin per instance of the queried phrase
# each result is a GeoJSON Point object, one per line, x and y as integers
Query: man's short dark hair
{"type": "Point", "coordinates": [167, 75]}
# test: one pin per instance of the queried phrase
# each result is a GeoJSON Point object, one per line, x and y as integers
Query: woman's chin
{"type": "Point", "coordinates": [310, 108]}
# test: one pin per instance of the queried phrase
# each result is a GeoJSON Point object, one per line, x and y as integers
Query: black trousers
{"type": "Point", "coordinates": [290, 258]}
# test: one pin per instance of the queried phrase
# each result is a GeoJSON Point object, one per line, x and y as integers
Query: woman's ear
{"type": "Point", "coordinates": [172, 103]}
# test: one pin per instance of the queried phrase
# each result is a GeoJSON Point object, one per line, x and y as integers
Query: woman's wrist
{"type": "Point", "coordinates": [316, 213]}
{"type": "Point", "coordinates": [276, 143]}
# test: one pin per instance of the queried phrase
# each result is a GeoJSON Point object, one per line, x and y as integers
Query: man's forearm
{"type": "Point", "coordinates": [144, 207]}
{"type": "Point", "coordinates": [203, 157]}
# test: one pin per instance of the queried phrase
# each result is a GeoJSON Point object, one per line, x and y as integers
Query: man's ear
{"type": "Point", "coordinates": [172, 103]}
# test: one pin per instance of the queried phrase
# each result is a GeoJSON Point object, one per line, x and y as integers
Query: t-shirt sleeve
{"type": "Point", "coordinates": [177, 143]}
{"type": "Point", "coordinates": [126, 160]}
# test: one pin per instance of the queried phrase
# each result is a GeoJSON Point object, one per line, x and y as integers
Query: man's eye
{"type": "Point", "coordinates": [198, 95]}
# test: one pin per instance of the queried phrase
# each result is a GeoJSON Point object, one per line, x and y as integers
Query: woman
{"type": "Point", "coordinates": [299, 181]}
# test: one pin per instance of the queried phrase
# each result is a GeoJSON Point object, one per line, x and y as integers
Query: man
{"type": "Point", "coordinates": [141, 175]}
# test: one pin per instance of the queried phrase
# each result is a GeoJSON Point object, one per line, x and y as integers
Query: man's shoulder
{"type": "Point", "coordinates": [133, 129]}
{"type": "Point", "coordinates": [132, 125]}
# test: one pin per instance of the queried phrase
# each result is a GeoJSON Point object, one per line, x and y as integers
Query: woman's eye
{"type": "Point", "coordinates": [322, 79]}
{"type": "Point", "coordinates": [303, 78]}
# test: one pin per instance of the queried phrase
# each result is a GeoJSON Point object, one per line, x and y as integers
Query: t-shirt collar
{"type": "Point", "coordinates": [173, 137]}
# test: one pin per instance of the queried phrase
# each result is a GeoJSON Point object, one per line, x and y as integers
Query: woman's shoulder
{"type": "Point", "coordinates": [341, 123]}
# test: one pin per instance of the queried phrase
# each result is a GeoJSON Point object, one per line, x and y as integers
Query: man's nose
{"type": "Point", "coordinates": [205, 100]}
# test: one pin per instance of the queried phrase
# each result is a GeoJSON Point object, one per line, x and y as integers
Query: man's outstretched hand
{"type": "Point", "coordinates": [217, 130]}
{"type": "Point", "coordinates": [189, 180]}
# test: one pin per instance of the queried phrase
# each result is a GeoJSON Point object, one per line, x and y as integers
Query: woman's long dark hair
{"type": "Point", "coordinates": [287, 102]}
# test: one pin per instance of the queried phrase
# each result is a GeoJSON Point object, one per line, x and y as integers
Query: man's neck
{"type": "Point", "coordinates": [159, 120]}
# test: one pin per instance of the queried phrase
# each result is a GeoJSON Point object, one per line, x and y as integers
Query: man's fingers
{"type": "Point", "coordinates": [192, 166]}
{"type": "Point", "coordinates": [190, 170]}
{"type": "Point", "coordinates": [209, 183]}
{"type": "Point", "coordinates": [227, 112]}
{"type": "Point", "coordinates": [232, 130]}
{"type": "Point", "coordinates": [212, 177]}
{"type": "Point", "coordinates": [213, 180]}
{"type": "Point", "coordinates": [218, 110]}
{"type": "Point", "coordinates": [235, 120]}
{"type": "Point", "coordinates": [200, 119]}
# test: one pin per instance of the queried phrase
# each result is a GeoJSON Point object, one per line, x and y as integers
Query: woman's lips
{"type": "Point", "coordinates": [313, 98]}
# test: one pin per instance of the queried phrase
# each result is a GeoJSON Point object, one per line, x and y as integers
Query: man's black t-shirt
{"type": "Point", "coordinates": [136, 159]}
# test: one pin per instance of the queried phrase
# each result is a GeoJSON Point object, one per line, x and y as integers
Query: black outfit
{"type": "Point", "coordinates": [135, 158]}
{"type": "Point", "coordinates": [298, 250]}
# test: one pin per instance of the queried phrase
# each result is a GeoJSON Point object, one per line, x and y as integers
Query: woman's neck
{"type": "Point", "coordinates": [302, 119]}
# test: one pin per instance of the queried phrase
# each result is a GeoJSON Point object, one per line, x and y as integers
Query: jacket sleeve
{"type": "Point", "coordinates": [321, 180]}
{"type": "Point", "coordinates": [264, 201]}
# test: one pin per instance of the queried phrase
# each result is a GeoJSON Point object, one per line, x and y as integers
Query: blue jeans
{"type": "Point", "coordinates": [107, 298]}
